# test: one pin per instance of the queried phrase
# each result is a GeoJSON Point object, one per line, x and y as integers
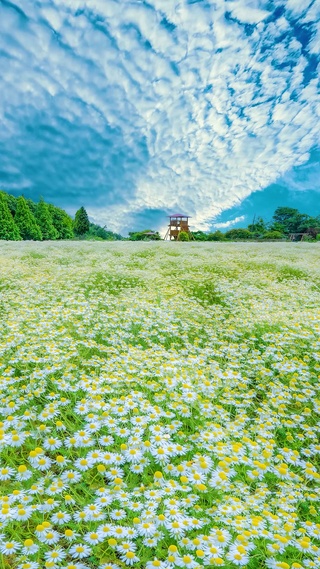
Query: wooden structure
{"type": "Point", "coordinates": [178, 223]}
{"type": "Point", "coordinates": [310, 232]}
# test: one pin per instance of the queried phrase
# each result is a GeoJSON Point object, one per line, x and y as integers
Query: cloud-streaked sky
{"type": "Point", "coordinates": [136, 109]}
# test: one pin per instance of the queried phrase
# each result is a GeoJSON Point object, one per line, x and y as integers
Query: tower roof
{"type": "Point", "coordinates": [178, 215]}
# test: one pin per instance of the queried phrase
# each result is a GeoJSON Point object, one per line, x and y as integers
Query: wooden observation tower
{"type": "Point", "coordinates": [177, 224]}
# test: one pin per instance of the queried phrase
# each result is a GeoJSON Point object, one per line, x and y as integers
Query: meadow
{"type": "Point", "coordinates": [159, 405]}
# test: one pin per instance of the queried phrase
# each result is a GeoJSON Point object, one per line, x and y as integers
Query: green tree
{"type": "Point", "coordinates": [32, 206]}
{"type": "Point", "coordinates": [81, 222]}
{"type": "Point", "coordinates": [216, 236]}
{"type": "Point", "coordinates": [11, 201]}
{"type": "Point", "coordinates": [307, 222]}
{"type": "Point", "coordinates": [183, 236]}
{"type": "Point", "coordinates": [26, 222]}
{"type": "Point", "coordinates": [102, 233]}
{"type": "Point", "coordinates": [238, 233]}
{"type": "Point", "coordinates": [8, 228]}
{"type": "Point", "coordinates": [44, 220]}
{"type": "Point", "coordinates": [287, 220]}
{"type": "Point", "coordinates": [145, 235]}
{"type": "Point", "coordinates": [283, 214]}
{"type": "Point", "coordinates": [273, 235]}
{"type": "Point", "coordinates": [290, 220]}
{"type": "Point", "coordinates": [276, 226]}
{"type": "Point", "coordinates": [200, 235]}
{"type": "Point", "coordinates": [258, 227]}
{"type": "Point", "coordinates": [62, 222]}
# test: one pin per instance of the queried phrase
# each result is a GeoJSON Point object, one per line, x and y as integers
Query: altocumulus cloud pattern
{"type": "Point", "coordinates": [130, 107]}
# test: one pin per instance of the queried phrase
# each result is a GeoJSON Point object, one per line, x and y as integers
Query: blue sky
{"type": "Point", "coordinates": [137, 109]}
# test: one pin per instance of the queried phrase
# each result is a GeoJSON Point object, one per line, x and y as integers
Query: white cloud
{"type": "Point", "coordinates": [132, 107]}
{"type": "Point", "coordinates": [247, 12]}
{"type": "Point", "coordinates": [227, 224]}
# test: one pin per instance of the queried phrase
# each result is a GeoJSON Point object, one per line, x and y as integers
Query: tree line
{"type": "Point", "coordinates": [24, 219]}
{"type": "Point", "coordinates": [285, 222]}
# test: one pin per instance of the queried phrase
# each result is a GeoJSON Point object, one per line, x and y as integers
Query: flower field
{"type": "Point", "coordinates": [160, 405]}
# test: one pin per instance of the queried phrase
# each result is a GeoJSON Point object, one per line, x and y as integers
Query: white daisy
{"type": "Point", "coordinates": [118, 515]}
{"type": "Point", "coordinates": [60, 518]}
{"type": "Point", "coordinates": [28, 565]}
{"type": "Point", "coordinates": [83, 464]}
{"type": "Point", "coordinates": [106, 440]}
{"type": "Point", "coordinates": [126, 546]}
{"type": "Point", "coordinates": [55, 555]}
{"type": "Point", "coordinates": [29, 547]}
{"type": "Point", "coordinates": [79, 551]}
{"type": "Point", "coordinates": [93, 537]}
{"type": "Point", "coordinates": [71, 476]}
{"type": "Point", "coordinates": [237, 557]}
{"type": "Point", "coordinates": [50, 537]}
{"type": "Point", "coordinates": [6, 473]}
{"type": "Point", "coordinates": [23, 512]}
{"type": "Point", "coordinates": [42, 463]}
{"type": "Point", "coordinates": [129, 558]}
{"type": "Point", "coordinates": [146, 529]}
{"type": "Point", "coordinates": [23, 473]}
{"type": "Point", "coordinates": [75, 565]}
{"type": "Point", "coordinates": [9, 547]}
{"type": "Point", "coordinates": [175, 528]}
{"type": "Point", "coordinates": [52, 443]}
{"type": "Point", "coordinates": [70, 534]}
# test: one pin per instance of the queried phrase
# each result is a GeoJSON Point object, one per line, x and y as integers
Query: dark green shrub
{"type": "Point", "coordinates": [273, 235]}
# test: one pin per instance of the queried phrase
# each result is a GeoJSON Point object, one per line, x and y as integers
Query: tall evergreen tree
{"type": "Point", "coordinates": [8, 228]}
{"type": "Point", "coordinates": [62, 222]}
{"type": "Point", "coordinates": [26, 221]}
{"type": "Point", "coordinates": [44, 220]}
{"type": "Point", "coordinates": [32, 206]}
{"type": "Point", "coordinates": [81, 222]}
{"type": "Point", "coordinates": [11, 201]}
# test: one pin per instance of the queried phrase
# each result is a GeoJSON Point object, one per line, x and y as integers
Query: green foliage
{"type": "Point", "coordinates": [26, 221]}
{"type": "Point", "coordinates": [113, 284]}
{"type": "Point", "coordinates": [98, 233]}
{"type": "Point", "coordinates": [145, 235]}
{"type": "Point", "coordinates": [90, 237]}
{"type": "Point", "coordinates": [283, 214]}
{"type": "Point", "coordinates": [62, 222]}
{"type": "Point", "coordinates": [45, 222]}
{"type": "Point", "coordinates": [287, 272]}
{"type": "Point", "coordinates": [258, 227]}
{"type": "Point", "coordinates": [308, 238]}
{"type": "Point", "coordinates": [11, 201]}
{"type": "Point", "coordinates": [273, 235]}
{"type": "Point", "coordinates": [32, 206]}
{"type": "Point", "coordinates": [290, 220]}
{"type": "Point", "coordinates": [183, 236]}
{"type": "Point", "coordinates": [8, 229]}
{"type": "Point", "coordinates": [276, 226]}
{"type": "Point", "coordinates": [200, 236]}
{"type": "Point", "coordinates": [216, 236]}
{"type": "Point", "coordinates": [239, 233]}
{"type": "Point", "coordinates": [81, 222]}
{"type": "Point", "coordinates": [204, 292]}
